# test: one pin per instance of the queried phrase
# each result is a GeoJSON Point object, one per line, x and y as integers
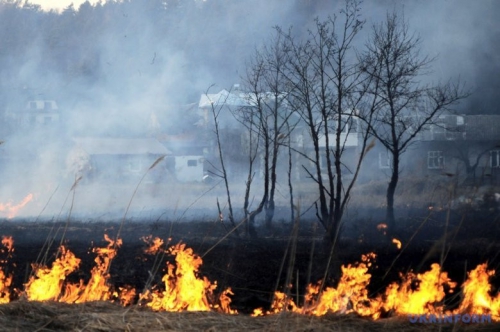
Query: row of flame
{"type": "Point", "coordinates": [185, 290]}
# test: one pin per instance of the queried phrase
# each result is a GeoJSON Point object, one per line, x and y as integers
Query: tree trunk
{"type": "Point", "coordinates": [270, 213]}
{"type": "Point", "coordinates": [251, 232]}
{"type": "Point", "coordinates": [270, 205]}
{"type": "Point", "coordinates": [390, 219]}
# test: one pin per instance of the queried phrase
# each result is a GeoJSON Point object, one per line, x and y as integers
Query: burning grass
{"type": "Point", "coordinates": [181, 298]}
{"type": "Point", "coordinates": [184, 289]}
{"type": "Point", "coordinates": [415, 295]}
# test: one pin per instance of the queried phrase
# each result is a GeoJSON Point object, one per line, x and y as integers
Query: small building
{"type": "Point", "coordinates": [177, 127]}
{"type": "Point", "coordinates": [38, 113]}
{"type": "Point", "coordinates": [119, 159]}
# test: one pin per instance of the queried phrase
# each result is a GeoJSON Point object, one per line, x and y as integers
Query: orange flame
{"type": "Point", "coordinates": [47, 283]}
{"type": "Point", "coordinates": [184, 290]}
{"type": "Point", "coordinates": [98, 288]}
{"type": "Point", "coordinates": [425, 299]}
{"type": "Point", "coordinates": [12, 210]}
{"type": "Point", "coordinates": [8, 243]}
{"type": "Point", "coordinates": [351, 294]}
{"type": "Point", "coordinates": [6, 280]}
{"type": "Point", "coordinates": [5, 283]}
{"type": "Point", "coordinates": [476, 294]}
{"type": "Point", "coordinates": [126, 295]}
{"type": "Point", "coordinates": [155, 244]}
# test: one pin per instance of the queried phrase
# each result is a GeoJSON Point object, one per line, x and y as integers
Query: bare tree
{"type": "Point", "coordinates": [252, 153]}
{"type": "Point", "coordinates": [252, 119]}
{"type": "Point", "coordinates": [326, 89]}
{"type": "Point", "coordinates": [216, 107]}
{"type": "Point", "coordinates": [404, 105]}
{"type": "Point", "coordinates": [268, 119]}
{"type": "Point", "coordinates": [281, 122]}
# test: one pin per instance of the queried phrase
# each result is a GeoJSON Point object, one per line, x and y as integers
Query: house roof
{"type": "Point", "coordinates": [237, 98]}
{"type": "Point", "coordinates": [223, 97]}
{"type": "Point", "coordinates": [121, 146]}
{"type": "Point", "coordinates": [482, 127]}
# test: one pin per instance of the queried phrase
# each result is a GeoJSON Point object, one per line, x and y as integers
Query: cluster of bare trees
{"type": "Point", "coordinates": [321, 85]}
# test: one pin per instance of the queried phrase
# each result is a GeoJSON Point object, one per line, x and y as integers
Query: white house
{"type": "Point", "coordinates": [189, 168]}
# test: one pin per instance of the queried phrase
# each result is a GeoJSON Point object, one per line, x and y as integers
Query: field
{"type": "Point", "coordinates": [252, 268]}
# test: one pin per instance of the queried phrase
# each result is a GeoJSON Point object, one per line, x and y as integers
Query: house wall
{"type": "Point", "coordinates": [347, 140]}
{"type": "Point", "coordinates": [483, 170]}
{"type": "Point", "coordinates": [124, 168]}
{"type": "Point", "coordinates": [39, 118]}
{"type": "Point", "coordinates": [422, 159]}
{"type": "Point", "coordinates": [189, 168]}
{"type": "Point", "coordinates": [487, 156]}
{"type": "Point", "coordinates": [437, 159]}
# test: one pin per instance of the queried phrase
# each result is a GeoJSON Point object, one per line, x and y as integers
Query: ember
{"type": "Point", "coordinates": [382, 227]}
{"type": "Point", "coordinates": [397, 243]}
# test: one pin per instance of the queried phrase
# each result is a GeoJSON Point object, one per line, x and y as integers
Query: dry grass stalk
{"type": "Point", "coordinates": [103, 316]}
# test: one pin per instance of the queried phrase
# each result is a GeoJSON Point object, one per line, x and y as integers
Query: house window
{"type": "Point", "coordinates": [47, 105]}
{"type": "Point", "coordinates": [384, 160]}
{"type": "Point", "coordinates": [495, 159]}
{"type": "Point", "coordinates": [33, 105]}
{"type": "Point", "coordinates": [348, 124]}
{"type": "Point", "coordinates": [192, 163]}
{"type": "Point", "coordinates": [435, 160]}
{"type": "Point", "coordinates": [47, 119]}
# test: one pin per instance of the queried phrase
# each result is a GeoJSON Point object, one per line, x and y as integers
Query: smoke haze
{"type": "Point", "coordinates": [111, 66]}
